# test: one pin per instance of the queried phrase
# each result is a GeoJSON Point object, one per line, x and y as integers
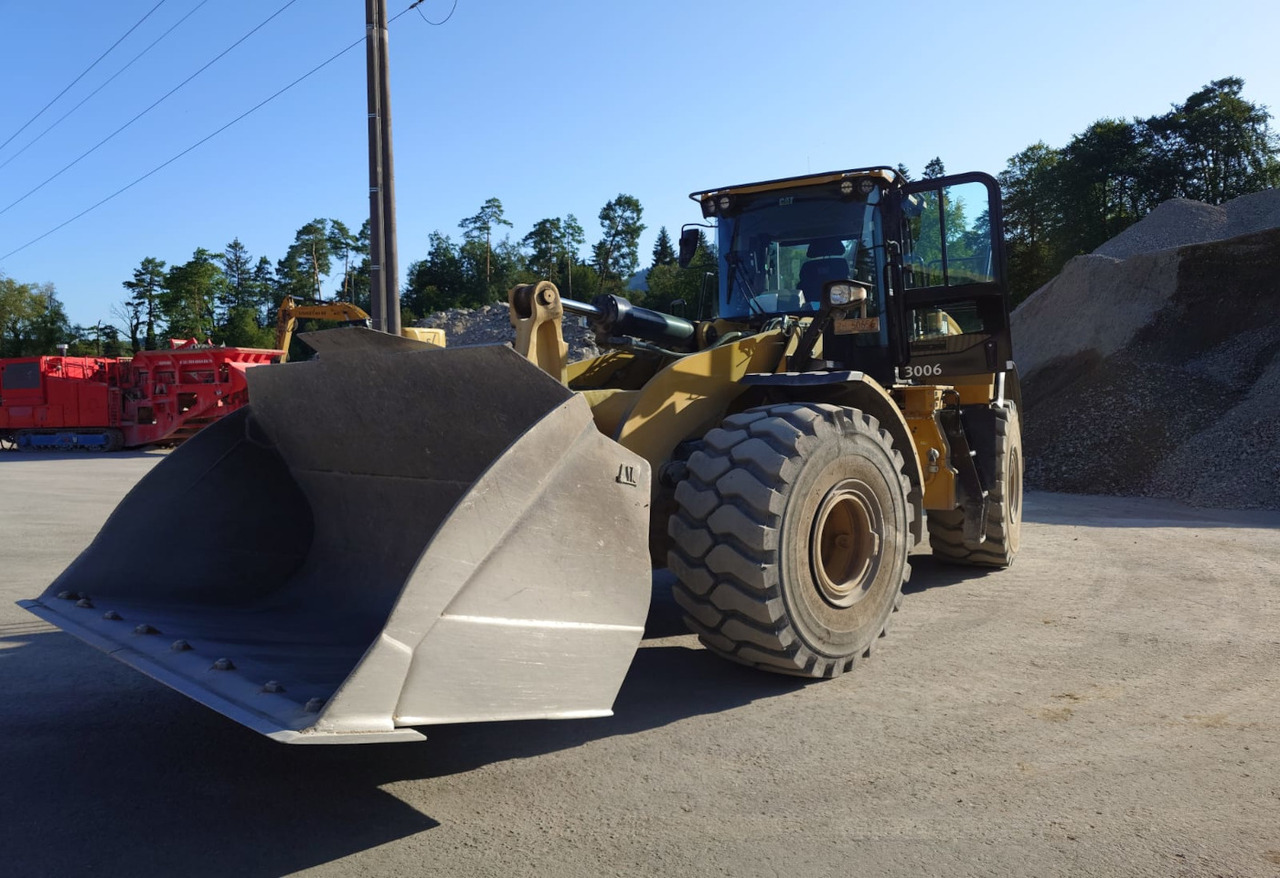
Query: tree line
{"type": "Point", "coordinates": [231, 297]}
{"type": "Point", "coordinates": [1066, 201]}
{"type": "Point", "coordinates": [1058, 203]}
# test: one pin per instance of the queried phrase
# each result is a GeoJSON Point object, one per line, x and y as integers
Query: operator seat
{"type": "Point", "coordinates": [825, 262]}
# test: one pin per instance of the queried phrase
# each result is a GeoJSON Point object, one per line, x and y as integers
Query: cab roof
{"type": "Point", "coordinates": [889, 175]}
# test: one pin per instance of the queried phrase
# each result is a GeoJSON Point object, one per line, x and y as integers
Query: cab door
{"type": "Point", "coordinates": [955, 304]}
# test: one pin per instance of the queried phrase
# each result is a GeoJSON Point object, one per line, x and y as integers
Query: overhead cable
{"type": "Point", "coordinates": [164, 97]}
{"type": "Point", "coordinates": [82, 74]}
{"type": "Point", "coordinates": [452, 9]}
{"type": "Point", "coordinates": [86, 98]}
{"type": "Point", "coordinates": [198, 143]}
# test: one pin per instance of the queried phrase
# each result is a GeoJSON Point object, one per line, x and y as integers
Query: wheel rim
{"type": "Point", "coordinates": [1013, 494]}
{"type": "Point", "coordinates": [844, 545]}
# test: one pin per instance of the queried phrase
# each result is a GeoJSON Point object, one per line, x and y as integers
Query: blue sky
{"type": "Point", "coordinates": [553, 107]}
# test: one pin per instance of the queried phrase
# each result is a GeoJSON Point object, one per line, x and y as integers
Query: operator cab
{"type": "Point", "coordinates": [929, 255]}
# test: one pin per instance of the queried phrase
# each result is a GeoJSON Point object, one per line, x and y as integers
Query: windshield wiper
{"type": "Point", "coordinates": [733, 259]}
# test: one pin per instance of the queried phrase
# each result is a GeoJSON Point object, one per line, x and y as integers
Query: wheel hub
{"type": "Point", "coordinates": [845, 543]}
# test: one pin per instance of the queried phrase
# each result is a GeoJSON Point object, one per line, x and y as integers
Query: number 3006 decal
{"type": "Point", "coordinates": [925, 371]}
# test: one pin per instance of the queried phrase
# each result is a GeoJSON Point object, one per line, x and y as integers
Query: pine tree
{"type": "Point", "coordinates": [663, 252]}
{"type": "Point", "coordinates": [615, 254]}
{"type": "Point", "coordinates": [145, 289]}
{"type": "Point", "coordinates": [480, 228]}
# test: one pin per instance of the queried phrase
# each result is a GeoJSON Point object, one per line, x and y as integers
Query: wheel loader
{"type": "Point", "coordinates": [389, 538]}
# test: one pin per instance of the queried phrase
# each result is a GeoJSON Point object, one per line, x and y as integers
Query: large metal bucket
{"type": "Point", "coordinates": [379, 541]}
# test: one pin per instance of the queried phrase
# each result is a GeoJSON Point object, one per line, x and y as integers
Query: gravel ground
{"type": "Point", "coordinates": [1106, 706]}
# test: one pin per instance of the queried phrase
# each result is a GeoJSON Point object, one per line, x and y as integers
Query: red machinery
{"type": "Point", "coordinates": [105, 404]}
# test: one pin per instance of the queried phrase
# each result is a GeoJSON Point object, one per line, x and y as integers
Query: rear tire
{"type": "Point", "coordinates": [1004, 507]}
{"type": "Point", "coordinates": [791, 537]}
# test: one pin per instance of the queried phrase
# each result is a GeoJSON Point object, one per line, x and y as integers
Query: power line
{"type": "Point", "coordinates": [199, 142]}
{"type": "Point", "coordinates": [193, 146]}
{"type": "Point", "coordinates": [452, 9]}
{"type": "Point", "coordinates": [39, 136]}
{"type": "Point", "coordinates": [164, 97]}
{"type": "Point", "coordinates": [82, 74]}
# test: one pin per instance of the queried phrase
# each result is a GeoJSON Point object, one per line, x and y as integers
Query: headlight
{"type": "Point", "coordinates": [840, 294]}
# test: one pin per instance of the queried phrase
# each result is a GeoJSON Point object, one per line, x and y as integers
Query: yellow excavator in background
{"type": "Point", "coordinates": [291, 311]}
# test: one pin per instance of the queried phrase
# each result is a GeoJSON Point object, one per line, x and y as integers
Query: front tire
{"type": "Point", "coordinates": [1004, 507]}
{"type": "Point", "coordinates": [791, 537]}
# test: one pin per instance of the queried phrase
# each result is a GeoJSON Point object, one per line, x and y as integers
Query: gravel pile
{"type": "Point", "coordinates": [1158, 374]}
{"type": "Point", "coordinates": [492, 325]}
{"type": "Point", "coordinates": [1179, 222]}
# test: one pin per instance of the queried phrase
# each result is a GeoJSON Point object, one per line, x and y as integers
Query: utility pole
{"type": "Point", "coordinates": [384, 292]}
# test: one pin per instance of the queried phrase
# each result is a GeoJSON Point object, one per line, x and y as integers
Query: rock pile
{"type": "Point", "coordinates": [492, 325]}
{"type": "Point", "coordinates": [1151, 371]}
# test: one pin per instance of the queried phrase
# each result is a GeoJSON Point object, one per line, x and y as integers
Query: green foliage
{"type": "Point", "coordinates": [695, 285]}
{"type": "Point", "coordinates": [615, 255]}
{"type": "Point", "coordinates": [554, 245]}
{"type": "Point", "coordinates": [99, 340]}
{"type": "Point", "coordinates": [1031, 214]}
{"type": "Point", "coordinates": [344, 246]}
{"type": "Point", "coordinates": [248, 288]}
{"type": "Point", "coordinates": [1216, 146]}
{"type": "Point", "coordinates": [477, 230]}
{"type": "Point", "coordinates": [437, 282]}
{"type": "Point", "coordinates": [663, 252]}
{"type": "Point", "coordinates": [480, 226]}
{"type": "Point", "coordinates": [582, 282]}
{"type": "Point", "coordinates": [191, 289]}
{"type": "Point", "coordinates": [361, 280]}
{"type": "Point", "coordinates": [1060, 203]}
{"type": "Point", "coordinates": [143, 303]}
{"type": "Point", "coordinates": [242, 330]}
{"type": "Point", "coordinates": [308, 259]}
{"type": "Point", "coordinates": [32, 320]}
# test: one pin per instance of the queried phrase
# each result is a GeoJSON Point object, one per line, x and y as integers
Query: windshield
{"type": "Point", "coordinates": [778, 248]}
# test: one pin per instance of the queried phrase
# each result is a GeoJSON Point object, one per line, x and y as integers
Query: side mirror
{"type": "Point", "coordinates": [688, 246]}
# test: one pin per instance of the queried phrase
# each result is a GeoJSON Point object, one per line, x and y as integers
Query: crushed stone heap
{"type": "Point", "coordinates": [1150, 371]}
{"type": "Point", "coordinates": [492, 325]}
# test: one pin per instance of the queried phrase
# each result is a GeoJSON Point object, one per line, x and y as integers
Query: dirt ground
{"type": "Point", "coordinates": [1107, 706]}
